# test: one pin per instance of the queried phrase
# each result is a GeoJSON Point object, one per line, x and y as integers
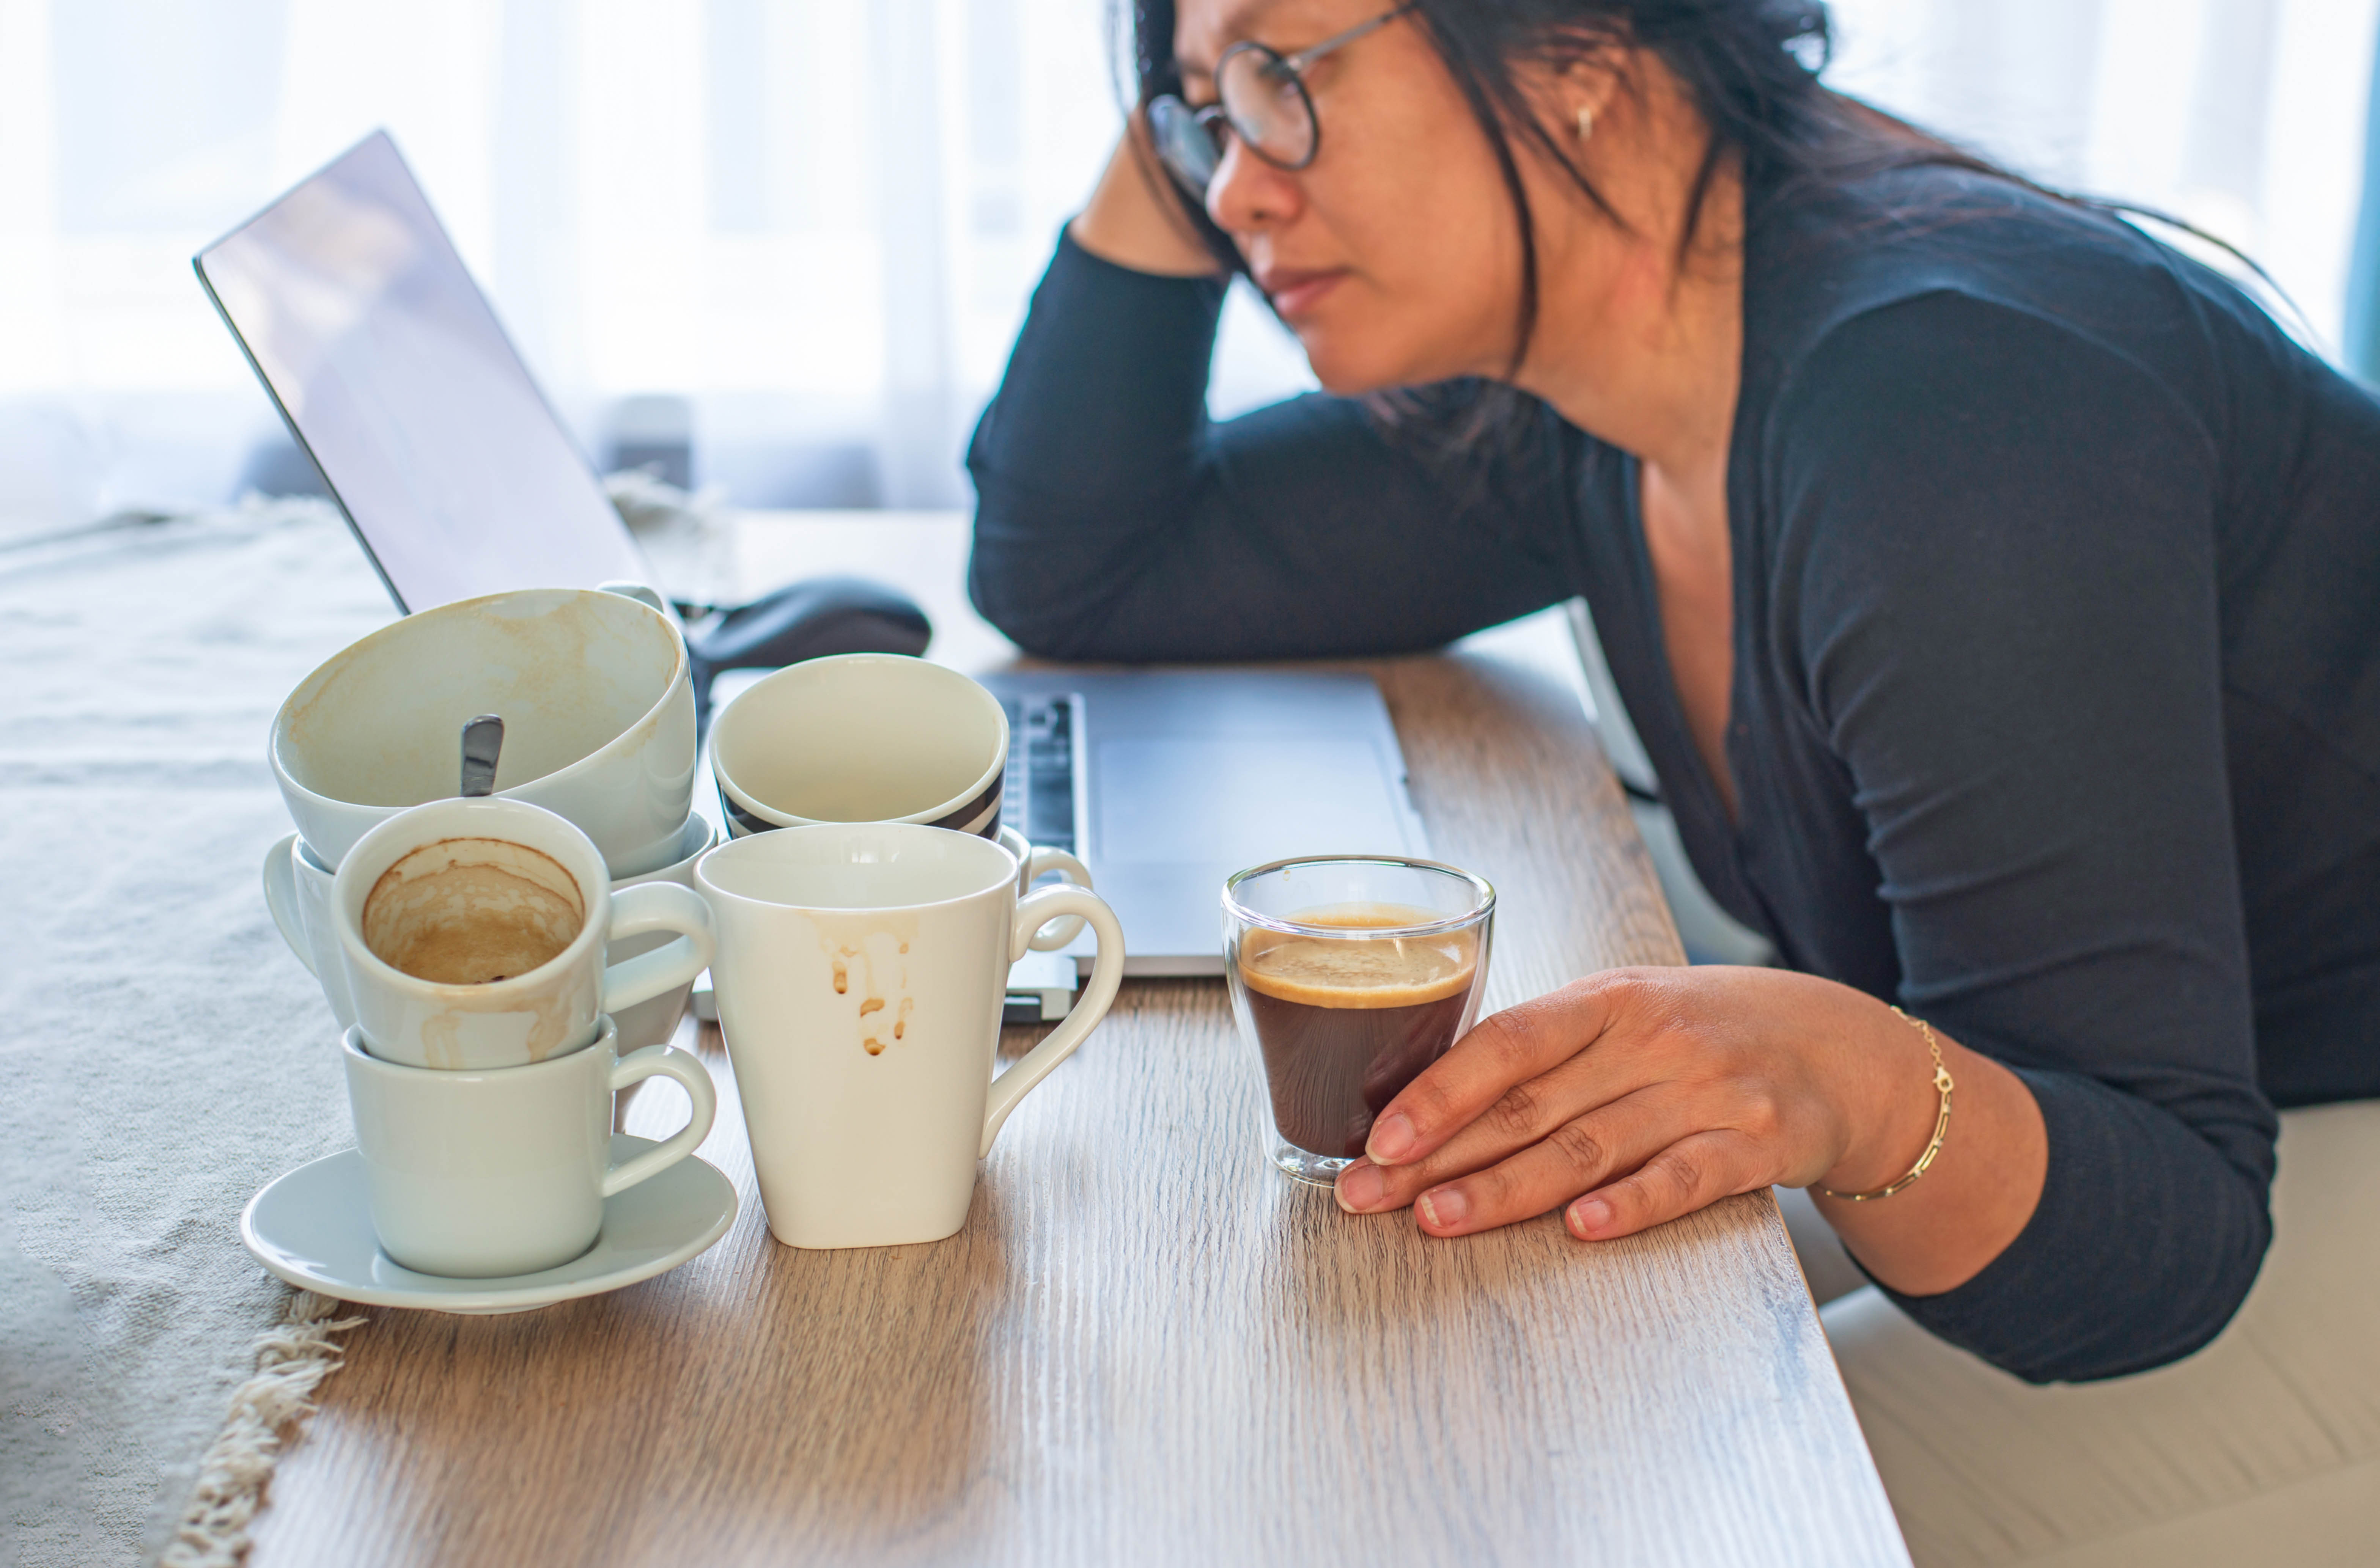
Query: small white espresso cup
{"type": "Point", "coordinates": [477, 1175]}
{"type": "Point", "coordinates": [876, 738]}
{"type": "Point", "coordinates": [512, 855]}
{"type": "Point", "coordinates": [860, 973]}
{"type": "Point", "coordinates": [298, 890]}
{"type": "Point", "coordinates": [595, 690]}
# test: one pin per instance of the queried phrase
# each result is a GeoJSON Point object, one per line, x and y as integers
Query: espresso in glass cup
{"type": "Point", "coordinates": [1350, 974]}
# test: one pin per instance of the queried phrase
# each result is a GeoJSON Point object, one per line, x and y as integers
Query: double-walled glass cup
{"type": "Point", "coordinates": [1350, 974]}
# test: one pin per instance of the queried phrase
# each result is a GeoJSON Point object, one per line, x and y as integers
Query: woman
{"type": "Point", "coordinates": [1996, 592]}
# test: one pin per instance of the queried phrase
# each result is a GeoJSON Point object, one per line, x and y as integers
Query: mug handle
{"type": "Point", "coordinates": [280, 897]}
{"type": "Point", "coordinates": [1038, 862]}
{"type": "Point", "coordinates": [643, 593]}
{"type": "Point", "coordinates": [664, 1061]}
{"type": "Point", "coordinates": [1058, 933]}
{"type": "Point", "coordinates": [1098, 995]}
{"type": "Point", "coordinates": [657, 906]}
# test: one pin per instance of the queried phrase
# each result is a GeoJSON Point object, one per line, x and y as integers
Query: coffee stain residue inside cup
{"type": "Point", "coordinates": [472, 912]}
{"type": "Point", "coordinates": [881, 1014]}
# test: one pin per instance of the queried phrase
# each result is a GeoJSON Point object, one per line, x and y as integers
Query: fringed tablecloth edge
{"type": "Point", "coordinates": [292, 1359]}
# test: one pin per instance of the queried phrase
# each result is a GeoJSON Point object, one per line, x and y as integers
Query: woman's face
{"type": "Point", "coordinates": [1394, 256]}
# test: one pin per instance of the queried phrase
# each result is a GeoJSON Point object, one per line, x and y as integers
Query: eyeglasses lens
{"type": "Point", "coordinates": [1187, 147]}
{"type": "Point", "coordinates": [1267, 106]}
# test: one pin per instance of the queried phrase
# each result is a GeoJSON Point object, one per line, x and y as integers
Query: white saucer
{"type": "Point", "coordinates": [314, 1229]}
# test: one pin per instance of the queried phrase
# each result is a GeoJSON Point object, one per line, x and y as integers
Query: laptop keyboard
{"type": "Point", "coordinates": [1038, 798]}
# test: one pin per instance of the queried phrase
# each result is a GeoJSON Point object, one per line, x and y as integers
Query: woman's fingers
{"type": "Point", "coordinates": [1552, 1106]}
{"type": "Point", "coordinates": [1639, 1161]}
{"type": "Point", "coordinates": [1490, 1063]}
{"type": "Point", "coordinates": [1576, 1157]}
{"type": "Point", "coordinates": [1688, 1175]}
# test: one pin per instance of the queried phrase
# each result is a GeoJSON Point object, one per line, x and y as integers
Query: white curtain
{"type": "Point", "coordinates": [817, 220]}
{"type": "Point", "coordinates": [2244, 117]}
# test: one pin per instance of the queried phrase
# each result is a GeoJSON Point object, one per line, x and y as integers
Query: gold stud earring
{"type": "Point", "coordinates": [1586, 123]}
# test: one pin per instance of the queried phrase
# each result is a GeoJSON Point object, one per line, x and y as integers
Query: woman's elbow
{"type": "Point", "coordinates": [1024, 603]}
{"type": "Point", "coordinates": [1043, 630]}
{"type": "Point", "coordinates": [2205, 1280]}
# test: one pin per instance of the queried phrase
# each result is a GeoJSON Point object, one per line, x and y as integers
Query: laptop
{"type": "Point", "coordinates": [452, 469]}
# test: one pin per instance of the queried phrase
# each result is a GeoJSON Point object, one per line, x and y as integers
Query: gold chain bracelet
{"type": "Point", "coordinates": [1941, 1123]}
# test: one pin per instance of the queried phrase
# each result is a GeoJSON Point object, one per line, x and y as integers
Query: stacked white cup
{"type": "Point", "coordinates": [485, 1058]}
{"type": "Point", "coordinates": [483, 1104]}
{"type": "Point", "coordinates": [597, 696]}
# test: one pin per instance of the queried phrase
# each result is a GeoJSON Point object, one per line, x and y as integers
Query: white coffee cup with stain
{"type": "Point", "coordinates": [297, 891]}
{"type": "Point", "coordinates": [597, 696]}
{"type": "Point", "coordinates": [860, 972]}
{"type": "Point", "coordinates": [473, 933]}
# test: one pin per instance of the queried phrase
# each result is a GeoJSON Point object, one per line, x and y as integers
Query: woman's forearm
{"type": "Point", "coordinates": [1938, 1232]}
{"type": "Point", "coordinates": [1114, 519]}
{"type": "Point", "coordinates": [1634, 1096]}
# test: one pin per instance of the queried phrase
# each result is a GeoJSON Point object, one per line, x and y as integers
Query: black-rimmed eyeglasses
{"type": "Point", "coordinates": [1261, 97]}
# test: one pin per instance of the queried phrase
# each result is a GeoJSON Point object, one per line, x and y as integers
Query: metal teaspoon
{"type": "Point", "coordinates": [483, 741]}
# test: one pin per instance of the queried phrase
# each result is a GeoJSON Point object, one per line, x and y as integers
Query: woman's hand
{"type": "Point", "coordinates": [1137, 219]}
{"type": "Point", "coordinates": [1638, 1095]}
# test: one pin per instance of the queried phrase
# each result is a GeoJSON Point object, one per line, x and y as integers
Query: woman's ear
{"type": "Point", "coordinates": [1574, 96]}
{"type": "Point", "coordinates": [1585, 86]}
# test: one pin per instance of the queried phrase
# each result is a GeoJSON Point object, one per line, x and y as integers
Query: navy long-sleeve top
{"type": "Point", "coordinates": [2056, 714]}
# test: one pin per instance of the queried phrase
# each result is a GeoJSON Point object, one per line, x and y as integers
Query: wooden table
{"type": "Point", "coordinates": [1147, 1346]}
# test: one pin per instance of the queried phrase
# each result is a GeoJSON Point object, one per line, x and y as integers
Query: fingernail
{"type": "Point", "coordinates": [1589, 1214]}
{"type": "Point", "coordinates": [1361, 1188]}
{"type": "Point", "coordinates": [1392, 1139]}
{"type": "Point", "coordinates": [1444, 1209]}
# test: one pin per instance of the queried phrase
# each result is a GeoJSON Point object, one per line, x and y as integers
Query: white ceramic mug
{"type": "Point", "coordinates": [546, 1011]}
{"type": "Point", "coordinates": [595, 690]}
{"type": "Point", "coordinates": [860, 973]}
{"type": "Point", "coordinates": [876, 738]}
{"type": "Point", "coordinates": [481, 1175]}
{"type": "Point", "coordinates": [297, 891]}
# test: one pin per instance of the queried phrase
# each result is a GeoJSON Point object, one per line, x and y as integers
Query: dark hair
{"type": "Point", "coordinates": [1750, 67]}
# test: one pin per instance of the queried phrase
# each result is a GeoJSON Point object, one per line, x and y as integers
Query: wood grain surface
{"type": "Point", "coordinates": [1145, 1345]}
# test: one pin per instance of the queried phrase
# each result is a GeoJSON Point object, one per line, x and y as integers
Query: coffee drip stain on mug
{"type": "Point", "coordinates": [874, 953]}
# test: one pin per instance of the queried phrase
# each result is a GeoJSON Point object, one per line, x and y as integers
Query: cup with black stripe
{"type": "Point", "coordinates": [876, 738]}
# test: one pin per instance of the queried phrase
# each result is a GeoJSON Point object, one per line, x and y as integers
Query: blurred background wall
{"type": "Point", "coordinates": [781, 245]}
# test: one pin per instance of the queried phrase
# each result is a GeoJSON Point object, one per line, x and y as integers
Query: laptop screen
{"type": "Point", "coordinates": [395, 376]}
